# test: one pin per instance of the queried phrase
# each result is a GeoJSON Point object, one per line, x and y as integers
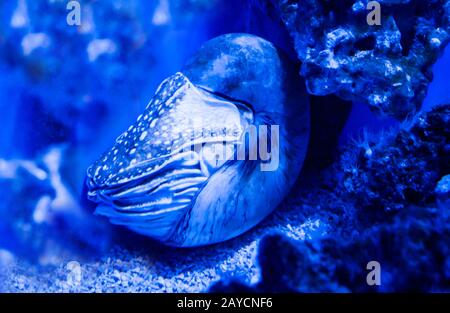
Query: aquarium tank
{"type": "Point", "coordinates": [216, 146]}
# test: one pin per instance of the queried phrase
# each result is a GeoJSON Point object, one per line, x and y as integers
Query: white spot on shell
{"type": "Point", "coordinates": [143, 136]}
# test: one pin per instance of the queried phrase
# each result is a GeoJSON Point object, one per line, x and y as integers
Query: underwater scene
{"type": "Point", "coordinates": [187, 146]}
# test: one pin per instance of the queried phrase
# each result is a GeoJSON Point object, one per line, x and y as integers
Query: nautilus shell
{"type": "Point", "coordinates": [216, 150]}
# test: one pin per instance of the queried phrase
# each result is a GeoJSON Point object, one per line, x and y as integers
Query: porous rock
{"type": "Point", "coordinates": [387, 67]}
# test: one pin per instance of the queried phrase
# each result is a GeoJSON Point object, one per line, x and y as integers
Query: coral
{"type": "Point", "coordinates": [388, 173]}
{"type": "Point", "coordinates": [39, 215]}
{"type": "Point", "coordinates": [443, 192]}
{"type": "Point", "coordinates": [387, 67]}
{"type": "Point", "coordinates": [413, 251]}
{"type": "Point", "coordinates": [380, 200]}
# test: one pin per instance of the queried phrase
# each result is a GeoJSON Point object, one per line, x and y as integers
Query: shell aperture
{"type": "Point", "coordinates": [174, 175]}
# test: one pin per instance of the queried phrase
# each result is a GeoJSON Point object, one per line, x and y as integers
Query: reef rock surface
{"type": "Point", "coordinates": [400, 221]}
{"type": "Point", "coordinates": [387, 67]}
